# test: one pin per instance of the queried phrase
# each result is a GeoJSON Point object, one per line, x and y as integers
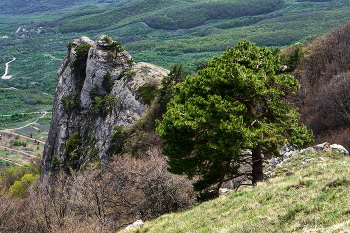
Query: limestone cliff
{"type": "Point", "coordinates": [95, 92]}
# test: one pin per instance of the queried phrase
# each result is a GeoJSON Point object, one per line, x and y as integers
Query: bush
{"type": "Point", "coordinates": [70, 102]}
{"type": "Point", "coordinates": [79, 64]}
{"type": "Point", "coordinates": [107, 82]}
{"type": "Point", "coordinates": [147, 92]}
{"type": "Point", "coordinates": [20, 188]}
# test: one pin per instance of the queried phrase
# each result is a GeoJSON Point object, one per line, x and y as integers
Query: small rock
{"type": "Point", "coordinates": [289, 173]}
{"type": "Point", "coordinates": [268, 174]}
{"type": "Point", "coordinates": [223, 191]}
{"type": "Point", "coordinates": [324, 146]}
{"type": "Point", "coordinates": [287, 164]}
{"type": "Point", "coordinates": [321, 159]}
{"type": "Point", "coordinates": [302, 162]}
{"type": "Point", "coordinates": [309, 160]}
{"type": "Point", "coordinates": [135, 224]}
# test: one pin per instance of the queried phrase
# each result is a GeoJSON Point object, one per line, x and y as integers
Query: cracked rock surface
{"type": "Point", "coordinates": [126, 76]}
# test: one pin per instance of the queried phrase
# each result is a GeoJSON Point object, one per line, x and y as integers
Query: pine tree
{"type": "Point", "coordinates": [237, 103]}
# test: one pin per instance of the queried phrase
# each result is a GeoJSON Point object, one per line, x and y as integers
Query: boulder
{"type": "Point", "coordinates": [138, 223]}
{"type": "Point", "coordinates": [340, 149]}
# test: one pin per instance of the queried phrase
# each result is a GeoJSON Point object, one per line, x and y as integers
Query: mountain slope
{"type": "Point", "coordinates": [161, 32]}
{"type": "Point", "coordinates": [309, 193]}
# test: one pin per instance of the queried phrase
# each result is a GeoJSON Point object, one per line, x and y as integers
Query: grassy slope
{"type": "Point", "coordinates": [314, 198]}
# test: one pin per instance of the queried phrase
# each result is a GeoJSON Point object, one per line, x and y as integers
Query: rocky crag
{"type": "Point", "coordinates": [98, 89]}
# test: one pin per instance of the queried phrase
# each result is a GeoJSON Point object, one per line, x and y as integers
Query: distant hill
{"type": "Point", "coordinates": [161, 32]}
{"type": "Point", "coordinates": [35, 6]}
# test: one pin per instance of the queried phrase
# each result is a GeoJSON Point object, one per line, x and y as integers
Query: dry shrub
{"type": "Point", "coordinates": [14, 214]}
{"type": "Point", "coordinates": [323, 99]}
{"type": "Point", "coordinates": [149, 188]}
{"type": "Point", "coordinates": [104, 198]}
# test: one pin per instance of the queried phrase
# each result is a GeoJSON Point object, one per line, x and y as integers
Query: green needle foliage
{"type": "Point", "coordinates": [79, 64]}
{"type": "Point", "coordinates": [236, 103]}
{"type": "Point", "coordinates": [175, 77]}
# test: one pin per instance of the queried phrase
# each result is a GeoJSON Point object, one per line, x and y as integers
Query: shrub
{"type": "Point", "coordinates": [117, 141]}
{"type": "Point", "coordinates": [70, 150]}
{"type": "Point", "coordinates": [147, 93]}
{"type": "Point", "coordinates": [117, 46]}
{"type": "Point", "coordinates": [20, 188]}
{"type": "Point", "coordinates": [107, 82]}
{"type": "Point", "coordinates": [70, 102]}
{"type": "Point", "coordinates": [79, 64]}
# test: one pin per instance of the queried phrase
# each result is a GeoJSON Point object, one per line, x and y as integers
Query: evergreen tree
{"type": "Point", "coordinates": [235, 104]}
{"type": "Point", "coordinates": [175, 77]}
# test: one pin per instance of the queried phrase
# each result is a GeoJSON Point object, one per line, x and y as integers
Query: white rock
{"type": "Point", "coordinates": [340, 149]}
{"type": "Point", "coordinates": [323, 146]}
{"type": "Point", "coordinates": [135, 224]}
{"type": "Point", "coordinates": [224, 191]}
{"type": "Point", "coordinates": [309, 160]}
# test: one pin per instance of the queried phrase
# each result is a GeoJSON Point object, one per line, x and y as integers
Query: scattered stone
{"type": "Point", "coordinates": [302, 162]}
{"type": "Point", "coordinates": [309, 160]}
{"type": "Point", "coordinates": [223, 191]}
{"type": "Point", "coordinates": [268, 174]}
{"type": "Point", "coordinates": [324, 146]}
{"type": "Point", "coordinates": [321, 159]}
{"type": "Point", "coordinates": [289, 173]}
{"type": "Point", "coordinates": [307, 151]}
{"type": "Point", "coordinates": [138, 223]}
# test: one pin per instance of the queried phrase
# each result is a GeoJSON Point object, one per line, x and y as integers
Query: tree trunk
{"type": "Point", "coordinates": [257, 172]}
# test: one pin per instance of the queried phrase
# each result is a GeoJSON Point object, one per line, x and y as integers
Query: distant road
{"type": "Point", "coordinates": [11, 132]}
{"type": "Point", "coordinates": [9, 160]}
{"type": "Point", "coordinates": [26, 113]}
{"type": "Point", "coordinates": [7, 70]}
{"type": "Point", "coordinates": [23, 136]}
{"type": "Point", "coordinates": [19, 151]}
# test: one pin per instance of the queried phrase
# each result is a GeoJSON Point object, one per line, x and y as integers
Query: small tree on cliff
{"type": "Point", "coordinates": [236, 103]}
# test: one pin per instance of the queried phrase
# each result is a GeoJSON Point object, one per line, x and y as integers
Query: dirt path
{"type": "Point", "coordinates": [7, 70]}
{"type": "Point", "coordinates": [23, 136]}
{"type": "Point", "coordinates": [9, 160]}
{"type": "Point", "coordinates": [28, 123]}
{"type": "Point", "coordinates": [19, 151]}
{"type": "Point", "coordinates": [10, 131]}
{"type": "Point", "coordinates": [26, 113]}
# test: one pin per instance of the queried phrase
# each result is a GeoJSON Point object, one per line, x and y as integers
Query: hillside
{"type": "Point", "coordinates": [161, 32]}
{"type": "Point", "coordinates": [309, 192]}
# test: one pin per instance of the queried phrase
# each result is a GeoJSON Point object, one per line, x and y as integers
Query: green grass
{"type": "Point", "coordinates": [313, 198]}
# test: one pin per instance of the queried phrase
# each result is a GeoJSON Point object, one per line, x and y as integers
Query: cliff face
{"type": "Point", "coordinates": [94, 94]}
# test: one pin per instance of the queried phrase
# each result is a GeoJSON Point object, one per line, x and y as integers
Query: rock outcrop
{"type": "Point", "coordinates": [108, 73]}
{"type": "Point", "coordinates": [287, 151]}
